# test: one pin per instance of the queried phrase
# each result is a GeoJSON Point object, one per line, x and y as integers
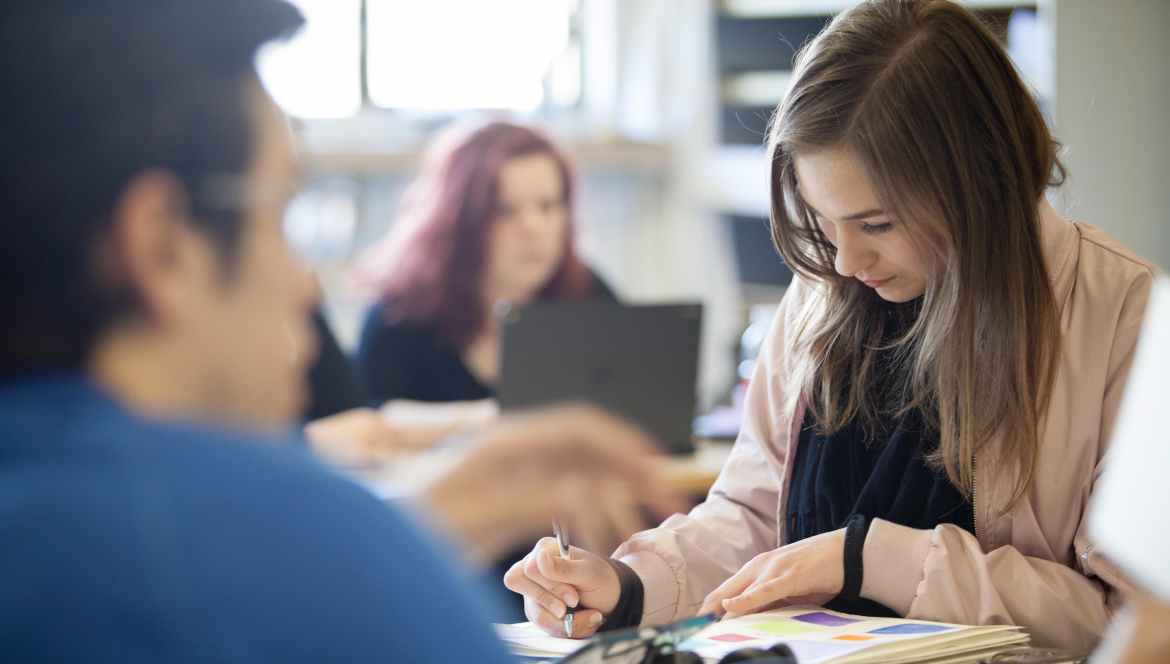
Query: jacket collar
{"type": "Point", "coordinates": [1057, 237]}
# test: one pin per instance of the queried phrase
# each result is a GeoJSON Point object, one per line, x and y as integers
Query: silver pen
{"type": "Point", "coordinates": [561, 532]}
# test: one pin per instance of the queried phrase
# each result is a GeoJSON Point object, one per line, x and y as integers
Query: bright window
{"type": "Point", "coordinates": [317, 74]}
{"type": "Point", "coordinates": [427, 55]}
{"type": "Point", "coordinates": [453, 54]}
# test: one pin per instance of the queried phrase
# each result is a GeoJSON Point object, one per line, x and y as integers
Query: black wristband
{"type": "Point", "coordinates": [628, 611]}
{"type": "Point", "coordinates": [855, 531]}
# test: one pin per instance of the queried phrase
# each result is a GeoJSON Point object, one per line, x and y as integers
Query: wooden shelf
{"type": "Point", "coordinates": [612, 157]}
{"type": "Point", "coordinates": [756, 88]}
{"type": "Point", "coordinates": [735, 180]}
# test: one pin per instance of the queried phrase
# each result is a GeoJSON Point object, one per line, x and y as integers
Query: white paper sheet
{"type": "Point", "coordinates": [527, 639]}
{"type": "Point", "coordinates": [1128, 516]}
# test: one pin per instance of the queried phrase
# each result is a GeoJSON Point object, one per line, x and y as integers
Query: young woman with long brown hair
{"type": "Point", "coordinates": [926, 420]}
{"type": "Point", "coordinates": [490, 218]}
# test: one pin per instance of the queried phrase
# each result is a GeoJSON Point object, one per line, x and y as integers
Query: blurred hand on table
{"type": "Point", "coordinates": [364, 437]}
{"type": "Point", "coordinates": [575, 463]}
{"type": "Point", "coordinates": [353, 438]}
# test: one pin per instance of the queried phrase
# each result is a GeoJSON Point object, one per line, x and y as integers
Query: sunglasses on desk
{"type": "Point", "coordinates": [659, 645]}
{"type": "Point", "coordinates": [1035, 656]}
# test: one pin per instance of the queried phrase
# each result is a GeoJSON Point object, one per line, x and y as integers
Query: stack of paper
{"type": "Point", "coordinates": [526, 640]}
{"type": "Point", "coordinates": [818, 636]}
{"type": "Point", "coordinates": [815, 636]}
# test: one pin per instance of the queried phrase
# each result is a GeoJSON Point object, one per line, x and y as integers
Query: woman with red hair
{"type": "Point", "coordinates": [489, 220]}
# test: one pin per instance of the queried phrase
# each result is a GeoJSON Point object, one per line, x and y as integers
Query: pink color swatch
{"type": "Point", "coordinates": [731, 638]}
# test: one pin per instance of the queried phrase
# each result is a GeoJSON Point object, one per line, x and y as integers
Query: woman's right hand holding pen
{"type": "Point", "coordinates": [550, 583]}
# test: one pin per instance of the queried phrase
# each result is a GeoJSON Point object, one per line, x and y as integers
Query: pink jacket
{"type": "Point", "coordinates": [1033, 566]}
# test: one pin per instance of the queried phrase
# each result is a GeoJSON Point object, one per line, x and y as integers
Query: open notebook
{"type": "Point", "coordinates": [816, 636]}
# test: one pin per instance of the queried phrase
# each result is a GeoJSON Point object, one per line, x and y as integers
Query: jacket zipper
{"type": "Point", "coordinates": [974, 459]}
{"type": "Point", "coordinates": [974, 498]}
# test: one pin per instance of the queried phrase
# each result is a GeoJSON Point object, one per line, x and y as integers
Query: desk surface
{"type": "Point", "coordinates": [692, 474]}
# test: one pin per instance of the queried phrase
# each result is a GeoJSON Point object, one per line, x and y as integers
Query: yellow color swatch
{"type": "Point", "coordinates": [784, 628]}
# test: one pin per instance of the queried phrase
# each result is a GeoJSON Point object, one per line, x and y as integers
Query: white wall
{"type": "Point", "coordinates": [1113, 114]}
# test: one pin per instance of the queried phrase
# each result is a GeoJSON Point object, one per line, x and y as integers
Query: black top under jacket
{"type": "Point", "coordinates": [840, 474]}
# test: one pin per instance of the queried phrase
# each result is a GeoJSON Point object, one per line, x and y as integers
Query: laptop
{"type": "Point", "coordinates": [637, 361]}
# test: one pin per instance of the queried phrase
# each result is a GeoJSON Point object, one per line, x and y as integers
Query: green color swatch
{"type": "Point", "coordinates": [783, 628]}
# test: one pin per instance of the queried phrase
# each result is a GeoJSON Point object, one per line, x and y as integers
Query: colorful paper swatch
{"type": "Point", "coordinates": [783, 628]}
{"type": "Point", "coordinates": [853, 637]}
{"type": "Point", "coordinates": [734, 638]}
{"type": "Point", "coordinates": [908, 628]}
{"type": "Point", "coordinates": [824, 619]}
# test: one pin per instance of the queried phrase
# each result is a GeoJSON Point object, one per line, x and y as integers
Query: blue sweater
{"type": "Point", "coordinates": [126, 540]}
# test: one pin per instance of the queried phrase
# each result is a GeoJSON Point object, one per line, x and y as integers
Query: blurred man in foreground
{"type": "Point", "coordinates": [153, 325]}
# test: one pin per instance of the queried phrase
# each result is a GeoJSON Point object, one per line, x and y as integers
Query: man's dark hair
{"type": "Point", "coordinates": [95, 93]}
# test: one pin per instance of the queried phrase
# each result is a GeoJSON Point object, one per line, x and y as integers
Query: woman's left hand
{"type": "Point", "coordinates": [810, 571]}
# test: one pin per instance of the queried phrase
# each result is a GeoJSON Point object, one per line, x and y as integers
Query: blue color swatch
{"type": "Point", "coordinates": [824, 619]}
{"type": "Point", "coordinates": [909, 628]}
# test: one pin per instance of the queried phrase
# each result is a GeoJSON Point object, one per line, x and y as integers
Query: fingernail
{"type": "Point", "coordinates": [725, 603]}
{"type": "Point", "coordinates": [570, 600]}
{"type": "Point", "coordinates": [559, 611]}
{"type": "Point", "coordinates": [595, 619]}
